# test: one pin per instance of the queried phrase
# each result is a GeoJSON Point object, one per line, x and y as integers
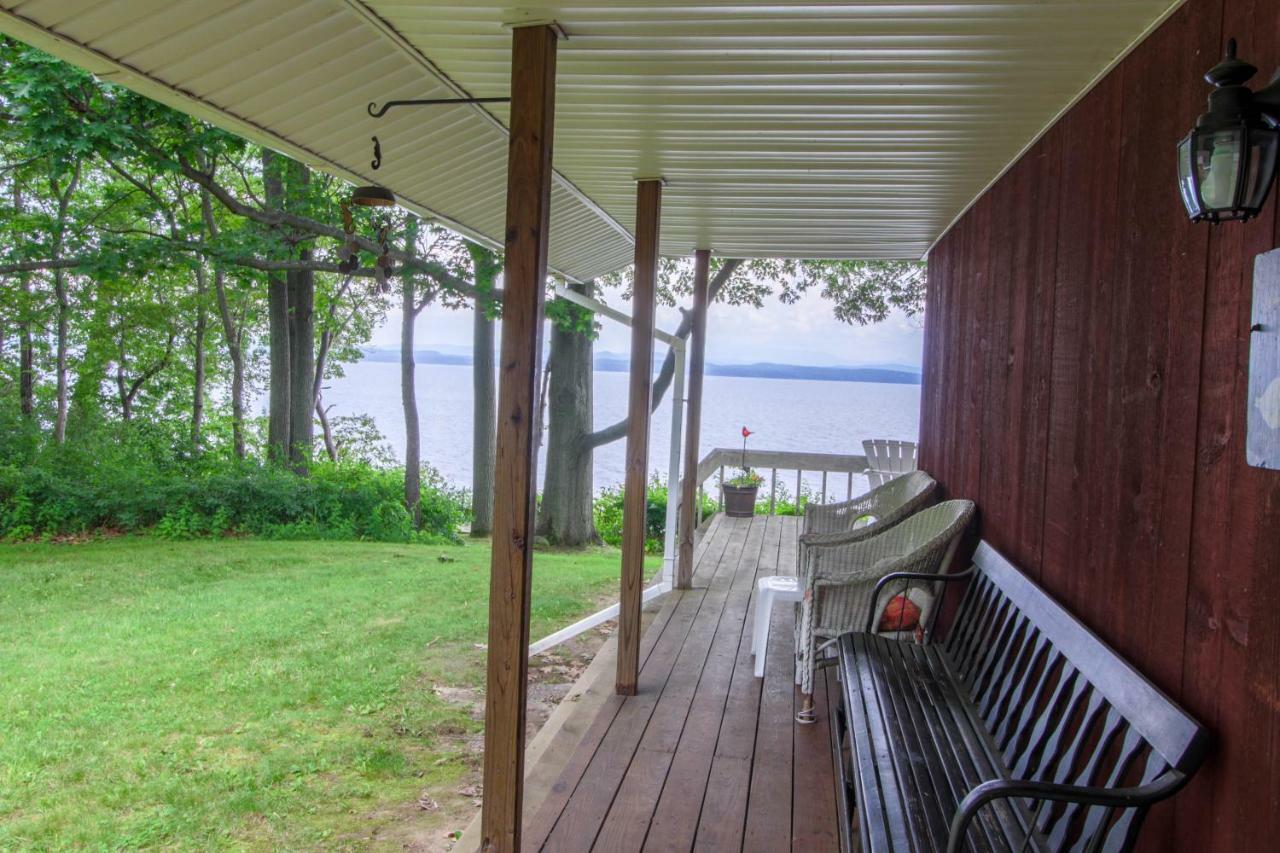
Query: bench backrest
{"type": "Point", "coordinates": [1062, 706]}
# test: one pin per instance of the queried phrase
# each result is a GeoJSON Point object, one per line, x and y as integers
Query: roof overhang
{"type": "Point", "coordinates": [827, 129]}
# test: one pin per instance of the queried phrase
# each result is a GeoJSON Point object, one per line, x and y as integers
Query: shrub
{"type": "Point", "coordinates": [608, 514]}
{"type": "Point", "coordinates": [131, 480]}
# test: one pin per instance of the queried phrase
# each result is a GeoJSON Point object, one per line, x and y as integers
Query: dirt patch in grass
{"type": "Point", "coordinates": [433, 822]}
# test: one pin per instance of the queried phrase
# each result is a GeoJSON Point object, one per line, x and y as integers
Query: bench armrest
{"type": "Point", "coordinates": [1000, 789]}
{"type": "Point", "coordinates": [908, 576]}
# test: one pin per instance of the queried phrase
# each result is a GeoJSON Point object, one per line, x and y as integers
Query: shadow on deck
{"type": "Point", "coordinates": [706, 756]}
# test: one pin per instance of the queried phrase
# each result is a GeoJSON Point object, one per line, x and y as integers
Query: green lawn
{"type": "Point", "coordinates": [237, 693]}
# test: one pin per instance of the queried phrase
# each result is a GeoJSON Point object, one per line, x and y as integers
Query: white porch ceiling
{"type": "Point", "coordinates": [818, 129]}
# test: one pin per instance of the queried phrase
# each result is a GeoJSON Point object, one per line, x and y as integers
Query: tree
{"type": "Point", "coordinates": [565, 515]}
{"type": "Point", "coordinates": [486, 265]}
{"type": "Point", "coordinates": [410, 307]}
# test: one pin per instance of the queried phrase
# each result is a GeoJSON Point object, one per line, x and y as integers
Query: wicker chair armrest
{"type": "Point", "coordinates": [830, 575]}
{"type": "Point", "coordinates": [816, 515]}
{"type": "Point", "coordinates": [999, 789]}
{"type": "Point", "coordinates": [914, 576]}
{"type": "Point", "coordinates": [838, 537]}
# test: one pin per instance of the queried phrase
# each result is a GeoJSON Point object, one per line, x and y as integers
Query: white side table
{"type": "Point", "coordinates": [768, 590]}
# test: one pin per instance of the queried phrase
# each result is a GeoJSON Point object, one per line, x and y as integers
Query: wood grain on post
{"type": "Point", "coordinates": [643, 294]}
{"type": "Point", "coordinates": [533, 69]}
{"type": "Point", "coordinates": [693, 428]}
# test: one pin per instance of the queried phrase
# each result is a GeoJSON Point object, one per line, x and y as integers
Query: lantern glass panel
{"type": "Point", "coordinates": [1186, 177]}
{"type": "Point", "coordinates": [1218, 162]}
{"type": "Point", "coordinates": [1263, 144]}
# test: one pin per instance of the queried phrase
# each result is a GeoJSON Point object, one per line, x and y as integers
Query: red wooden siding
{"type": "Point", "coordinates": [1085, 381]}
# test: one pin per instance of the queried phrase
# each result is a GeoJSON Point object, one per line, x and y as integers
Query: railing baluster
{"type": "Point", "coordinates": [824, 487]}
{"type": "Point", "coordinates": [799, 474]}
{"type": "Point", "coordinates": [721, 503]}
{"type": "Point", "coordinates": [848, 490]}
{"type": "Point", "coordinates": [773, 490]}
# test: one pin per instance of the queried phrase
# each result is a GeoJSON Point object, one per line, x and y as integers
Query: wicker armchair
{"type": "Point", "coordinates": [886, 505]}
{"type": "Point", "coordinates": [839, 579]}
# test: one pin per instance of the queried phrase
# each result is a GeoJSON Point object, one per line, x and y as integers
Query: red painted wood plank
{"type": "Point", "coordinates": [1235, 800]}
{"type": "Point", "coordinates": [1084, 270]}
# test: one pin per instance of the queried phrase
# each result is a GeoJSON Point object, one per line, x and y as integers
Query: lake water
{"type": "Point", "coordinates": [814, 416]}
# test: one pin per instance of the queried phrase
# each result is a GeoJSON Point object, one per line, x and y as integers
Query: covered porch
{"type": "Point", "coordinates": [1085, 367]}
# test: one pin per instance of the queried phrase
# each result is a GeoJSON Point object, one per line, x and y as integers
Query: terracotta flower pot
{"type": "Point", "coordinates": [740, 501]}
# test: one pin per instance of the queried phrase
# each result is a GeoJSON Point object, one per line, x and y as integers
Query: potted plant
{"type": "Point", "coordinates": [740, 491]}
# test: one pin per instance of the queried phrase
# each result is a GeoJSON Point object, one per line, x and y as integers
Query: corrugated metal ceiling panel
{"type": "Point", "coordinates": [836, 129]}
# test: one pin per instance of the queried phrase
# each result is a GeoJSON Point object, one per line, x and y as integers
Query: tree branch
{"type": "Point", "coordinates": [278, 218]}
{"type": "Point", "coordinates": [617, 430]}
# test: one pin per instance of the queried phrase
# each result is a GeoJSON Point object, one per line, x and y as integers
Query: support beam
{"type": "Point", "coordinates": [533, 74]}
{"type": "Point", "coordinates": [643, 294]}
{"type": "Point", "coordinates": [697, 361]}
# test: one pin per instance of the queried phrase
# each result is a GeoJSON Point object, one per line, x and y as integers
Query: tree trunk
{"type": "Point", "coordinates": [26, 343]}
{"type": "Point", "coordinates": [484, 398]}
{"type": "Point", "coordinates": [26, 359]}
{"type": "Point", "coordinates": [198, 370]}
{"type": "Point", "coordinates": [302, 402]}
{"type": "Point", "coordinates": [408, 391]}
{"type": "Point", "coordinates": [662, 382]}
{"type": "Point", "coordinates": [64, 311]}
{"type": "Point", "coordinates": [232, 333]}
{"type": "Point", "coordinates": [303, 388]}
{"type": "Point", "coordinates": [567, 493]}
{"type": "Point", "coordinates": [234, 338]}
{"type": "Point", "coordinates": [278, 396]}
{"type": "Point", "coordinates": [326, 431]}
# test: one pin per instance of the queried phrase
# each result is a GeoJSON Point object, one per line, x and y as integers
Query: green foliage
{"type": "Point", "coordinates": [861, 292]}
{"type": "Point", "coordinates": [127, 478]}
{"type": "Point", "coordinates": [745, 478]}
{"type": "Point", "coordinates": [608, 514]}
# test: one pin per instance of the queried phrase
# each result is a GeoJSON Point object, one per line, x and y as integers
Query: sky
{"type": "Point", "coordinates": [804, 333]}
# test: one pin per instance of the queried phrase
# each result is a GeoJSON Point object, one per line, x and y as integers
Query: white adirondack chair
{"type": "Point", "coordinates": [888, 458]}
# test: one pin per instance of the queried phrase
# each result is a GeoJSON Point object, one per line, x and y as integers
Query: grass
{"type": "Point", "coordinates": [239, 693]}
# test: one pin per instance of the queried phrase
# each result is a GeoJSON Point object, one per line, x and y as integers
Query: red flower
{"type": "Point", "coordinates": [745, 432]}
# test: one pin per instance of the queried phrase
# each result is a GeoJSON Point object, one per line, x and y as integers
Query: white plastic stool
{"type": "Point", "coordinates": [768, 590]}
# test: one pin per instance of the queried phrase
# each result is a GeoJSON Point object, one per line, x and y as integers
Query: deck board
{"type": "Point", "coordinates": [703, 756]}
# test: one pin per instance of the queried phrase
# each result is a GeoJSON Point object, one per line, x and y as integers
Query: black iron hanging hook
{"type": "Point", "coordinates": [379, 111]}
{"type": "Point", "coordinates": [377, 154]}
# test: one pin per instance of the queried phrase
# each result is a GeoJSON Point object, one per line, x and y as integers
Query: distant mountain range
{"type": "Point", "coordinates": [607, 362]}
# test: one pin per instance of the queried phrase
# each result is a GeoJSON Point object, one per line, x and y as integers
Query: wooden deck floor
{"type": "Point", "coordinates": [706, 756]}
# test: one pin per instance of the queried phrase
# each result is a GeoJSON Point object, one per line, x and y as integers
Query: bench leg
{"type": "Point", "coordinates": [760, 629]}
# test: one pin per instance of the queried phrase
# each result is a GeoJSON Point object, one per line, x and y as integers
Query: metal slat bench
{"type": "Point", "coordinates": [1021, 731]}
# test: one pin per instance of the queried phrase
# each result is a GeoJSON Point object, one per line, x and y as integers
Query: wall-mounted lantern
{"type": "Point", "coordinates": [1227, 163]}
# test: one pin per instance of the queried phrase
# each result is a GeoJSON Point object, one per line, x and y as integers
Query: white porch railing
{"type": "Point", "coordinates": [836, 470]}
{"type": "Point", "coordinates": [838, 467]}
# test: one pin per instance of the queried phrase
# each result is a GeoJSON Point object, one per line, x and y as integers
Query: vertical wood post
{"type": "Point", "coordinates": [533, 72]}
{"type": "Point", "coordinates": [693, 431]}
{"type": "Point", "coordinates": [643, 294]}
